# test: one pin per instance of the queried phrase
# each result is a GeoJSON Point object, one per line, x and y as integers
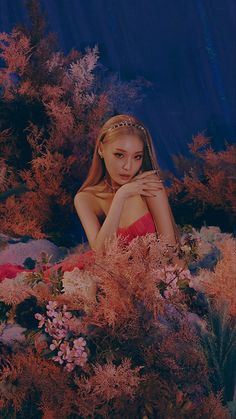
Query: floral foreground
{"type": "Point", "coordinates": [131, 335]}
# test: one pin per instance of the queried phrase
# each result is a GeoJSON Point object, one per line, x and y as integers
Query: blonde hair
{"type": "Point", "coordinates": [97, 169]}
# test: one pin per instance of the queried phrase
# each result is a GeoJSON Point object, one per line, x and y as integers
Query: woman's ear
{"type": "Point", "coordinates": [99, 150]}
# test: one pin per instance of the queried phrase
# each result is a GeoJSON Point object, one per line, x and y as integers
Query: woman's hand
{"type": "Point", "coordinates": [146, 184]}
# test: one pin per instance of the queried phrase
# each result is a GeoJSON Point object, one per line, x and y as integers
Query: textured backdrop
{"type": "Point", "coordinates": [186, 48]}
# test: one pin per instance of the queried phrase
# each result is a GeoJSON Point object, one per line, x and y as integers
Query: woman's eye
{"type": "Point", "coordinates": [120, 154]}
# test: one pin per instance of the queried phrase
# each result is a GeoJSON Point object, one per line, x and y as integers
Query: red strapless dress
{"type": "Point", "coordinates": [140, 227]}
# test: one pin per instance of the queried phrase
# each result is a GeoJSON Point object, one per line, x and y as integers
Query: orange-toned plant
{"type": "Point", "coordinates": [61, 102]}
{"type": "Point", "coordinates": [205, 184]}
{"type": "Point", "coordinates": [31, 381]}
{"type": "Point", "coordinates": [143, 355]}
{"type": "Point", "coordinates": [220, 284]}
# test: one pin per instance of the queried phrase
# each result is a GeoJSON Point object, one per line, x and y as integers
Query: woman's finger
{"type": "Point", "coordinates": [148, 194]}
{"type": "Point", "coordinates": [152, 189]}
{"type": "Point", "coordinates": [145, 174]}
{"type": "Point", "coordinates": [153, 182]}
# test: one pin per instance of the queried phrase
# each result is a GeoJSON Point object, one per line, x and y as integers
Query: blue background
{"type": "Point", "coordinates": [186, 48]}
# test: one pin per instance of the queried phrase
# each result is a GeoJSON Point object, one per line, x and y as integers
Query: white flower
{"type": "Point", "coordinates": [80, 282]}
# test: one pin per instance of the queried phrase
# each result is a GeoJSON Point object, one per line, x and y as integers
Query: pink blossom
{"type": "Point", "coordinates": [58, 359]}
{"type": "Point", "coordinates": [60, 324]}
{"type": "Point", "coordinates": [64, 347]}
{"type": "Point", "coordinates": [82, 359]}
{"type": "Point", "coordinates": [58, 319]}
{"type": "Point", "coordinates": [54, 344]}
{"type": "Point", "coordinates": [67, 315]}
{"type": "Point", "coordinates": [77, 352]}
{"type": "Point", "coordinates": [52, 305]}
{"type": "Point", "coordinates": [69, 367]}
{"type": "Point", "coordinates": [78, 343]}
{"type": "Point", "coordinates": [41, 319]}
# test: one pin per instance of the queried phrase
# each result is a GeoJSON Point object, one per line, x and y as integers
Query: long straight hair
{"type": "Point", "coordinates": [97, 169]}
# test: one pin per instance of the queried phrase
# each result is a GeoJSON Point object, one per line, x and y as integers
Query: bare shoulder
{"type": "Point", "coordinates": [85, 199]}
{"type": "Point", "coordinates": [89, 197]}
{"type": "Point", "coordinates": [88, 211]}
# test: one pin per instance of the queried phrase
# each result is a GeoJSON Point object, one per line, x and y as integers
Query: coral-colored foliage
{"type": "Point", "coordinates": [207, 179]}
{"type": "Point", "coordinates": [29, 376]}
{"type": "Point", "coordinates": [107, 389]}
{"type": "Point", "coordinates": [220, 284]}
{"type": "Point", "coordinates": [143, 355]}
{"type": "Point", "coordinates": [61, 103]}
{"type": "Point", "coordinates": [56, 146]}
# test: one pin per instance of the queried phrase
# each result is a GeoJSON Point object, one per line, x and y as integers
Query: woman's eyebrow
{"type": "Point", "coordinates": [121, 149]}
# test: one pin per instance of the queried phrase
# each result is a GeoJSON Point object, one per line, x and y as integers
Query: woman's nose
{"type": "Point", "coordinates": [127, 164]}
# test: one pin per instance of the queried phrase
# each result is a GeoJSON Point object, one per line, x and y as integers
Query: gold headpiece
{"type": "Point", "coordinates": [128, 123]}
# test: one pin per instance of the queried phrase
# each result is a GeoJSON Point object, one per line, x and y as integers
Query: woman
{"type": "Point", "coordinates": [123, 184]}
{"type": "Point", "coordinates": [123, 193]}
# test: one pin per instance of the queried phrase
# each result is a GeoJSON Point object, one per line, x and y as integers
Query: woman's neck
{"type": "Point", "coordinates": [111, 184]}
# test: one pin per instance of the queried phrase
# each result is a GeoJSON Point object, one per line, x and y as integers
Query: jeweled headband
{"type": "Point", "coordinates": [126, 123]}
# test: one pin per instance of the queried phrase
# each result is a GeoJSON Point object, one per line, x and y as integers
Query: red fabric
{"type": "Point", "coordinates": [74, 261]}
{"type": "Point", "coordinates": [9, 270]}
{"type": "Point", "coordinates": [139, 227]}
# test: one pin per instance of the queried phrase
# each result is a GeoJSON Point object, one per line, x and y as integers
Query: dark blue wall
{"type": "Point", "coordinates": [185, 47]}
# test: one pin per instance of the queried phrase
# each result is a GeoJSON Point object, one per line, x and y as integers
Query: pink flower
{"type": "Point", "coordinates": [79, 343]}
{"type": "Point", "coordinates": [81, 361]}
{"type": "Point", "coordinates": [58, 359]}
{"type": "Point", "coordinates": [67, 315]}
{"type": "Point", "coordinates": [54, 344]}
{"type": "Point", "coordinates": [77, 352]}
{"type": "Point", "coordinates": [69, 367]}
{"type": "Point", "coordinates": [64, 349]}
{"type": "Point", "coordinates": [59, 323]}
{"type": "Point", "coordinates": [58, 319]}
{"type": "Point", "coordinates": [41, 319]}
{"type": "Point", "coordinates": [52, 305]}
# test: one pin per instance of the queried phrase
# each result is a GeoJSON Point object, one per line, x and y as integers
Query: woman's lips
{"type": "Point", "coordinates": [125, 176]}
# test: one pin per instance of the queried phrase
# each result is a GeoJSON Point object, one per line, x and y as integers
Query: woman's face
{"type": "Point", "coordinates": [122, 156]}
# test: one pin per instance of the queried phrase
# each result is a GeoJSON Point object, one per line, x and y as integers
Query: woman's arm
{"type": "Point", "coordinates": [85, 206]}
{"type": "Point", "coordinates": [159, 207]}
{"type": "Point", "coordinates": [160, 210]}
{"type": "Point", "coordinates": [97, 234]}
{"type": "Point", "coordinates": [112, 221]}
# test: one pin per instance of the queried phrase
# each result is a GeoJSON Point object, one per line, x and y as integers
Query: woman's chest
{"type": "Point", "coordinates": [133, 208]}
